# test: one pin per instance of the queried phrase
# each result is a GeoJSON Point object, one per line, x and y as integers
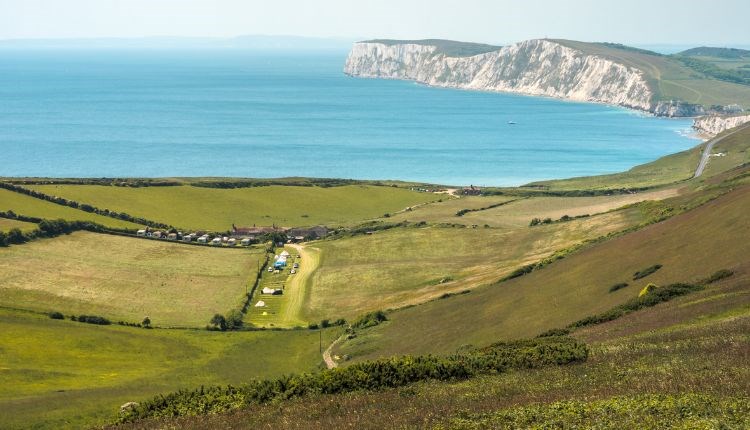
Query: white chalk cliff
{"type": "Point", "coordinates": [533, 67]}
{"type": "Point", "coordinates": [715, 124]}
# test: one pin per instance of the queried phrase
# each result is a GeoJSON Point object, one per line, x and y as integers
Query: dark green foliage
{"type": "Point", "coordinates": [312, 326]}
{"type": "Point", "coordinates": [737, 76]}
{"type": "Point", "coordinates": [717, 276]}
{"type": "Point", "coordinates": [371, 375]}
{"type": "Point", "coordinates": [233, 320]}
{"type": "Point", "coordinates": [535, 221]}
{"type": "Point", "coordinates": [339, 322]}
{"type": "Point", "coordinates": [619, 286]}
{"type": "Point", "coordinates": [146, 323]}
{"type": "Point", "coordinates": [325, 324]}
{"type": "Point", "coordinates": [564, 218]}
{"type": "Point", "coordinates": [555, 332]}
{"type": "Point", "coordinates": [447, 295]}
{"type": "Point", "coordinates": [56, 315]}
{"type": "Point", "coordinates": [707, 51]}
{"type": "Point", "coordinates": [92, 319]}
{"type": "Point", "coordinates": [523, 270]}
{"type": "Point", "coordinates": [645, 272]}
{"type": "Point", "coordinates": [218, 322]}
{"type": "Point", "coordinates": [370, 319]}
{"type": "Point", "coordinates": [654, 297]}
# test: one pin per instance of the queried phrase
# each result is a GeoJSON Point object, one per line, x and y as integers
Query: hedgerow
{"type": "Point", "coordinates": [370, 375]}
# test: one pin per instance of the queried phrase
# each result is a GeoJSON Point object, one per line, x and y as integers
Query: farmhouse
{"type": "Point", "coordinates": [472, 191]}
{"type": "Point", "coordinates": [255, 231]}
{"type": "Point", "coordinates": [316, 232]}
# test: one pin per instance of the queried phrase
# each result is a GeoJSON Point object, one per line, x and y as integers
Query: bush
{"type": "Point", "coordinates": [92, 319]}
{"type": "Point", "coordinates": [234, 319]}
{"type": "Point", "coordinates": [312, 326]}
{"type": "Point", "coordinates": [218, 322]}
{"type": "Point", "coordinates": [645, 272]}
{"type": "Point", "coordinates": [651, 298]}
{"type": "Point", "coordinates": [554, 332]}
{"type": "Point", "coordinates": [56, 316]}
{"type": "Point", "coordinates": [535, 221]}
{"type": "Point", "coordinates": [717, 276]}
{"type": "Point", "coordinates": [370, 319]}
{"type": "Point", "coordinates": [619, 286]}
{"type": "Point", "coordinates": [647, 289]}
{"type": "Point", "coordinates": [325, 324]}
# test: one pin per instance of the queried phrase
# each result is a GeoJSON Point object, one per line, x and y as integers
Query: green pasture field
{"type": "Point", "coordinates": [217, 209]}
{"type": "Point", "coordinates": [68, 375]}
{"type": "Point", "coordinates": [404, 266]}
{"type": "Point", "coordinates": [126, 279]}
{"type": "Point", "coordinates": [33, 207]}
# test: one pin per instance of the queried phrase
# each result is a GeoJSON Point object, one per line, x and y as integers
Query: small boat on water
{"type": "Point", "coordinates": [511, 122]}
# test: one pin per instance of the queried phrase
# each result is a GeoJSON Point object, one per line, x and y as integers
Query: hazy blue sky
{"type": "Point", "coordinates": [716, 22]}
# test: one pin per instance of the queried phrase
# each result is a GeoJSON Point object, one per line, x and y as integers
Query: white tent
{"type": "Point", "coordinates": [267, 290]}
{"type": "Point", "coordinates": [285, 254]}
{"type": "Point", "coordinates": [260, 304]}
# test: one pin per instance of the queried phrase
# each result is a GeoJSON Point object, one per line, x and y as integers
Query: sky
{"type": "Point", "coordinates": [715, 22]}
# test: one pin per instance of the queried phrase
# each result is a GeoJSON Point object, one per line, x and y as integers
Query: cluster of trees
{"type": "Point", "coordinates": [82, 206]}
{"type": "Point", "coordinates": [371, 375]}
{"type": "Point", "coordinates": [564, 218]}
{"type": "Point", "coordinates": [302, 182]}
{"type": "Point", "coordinates": [737, 76]}
{"type": "Point", "coordinates": [91, 319]}
{"type": "Point", "coordinates": [326, 324]}
{"type": "Point", "coordinates": [370, 319]}
{"type": "Point", "coordinates": [233, 321]}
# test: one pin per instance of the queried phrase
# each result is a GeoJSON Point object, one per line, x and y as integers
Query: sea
{"type": "Point", "coordinates": [261, 114]}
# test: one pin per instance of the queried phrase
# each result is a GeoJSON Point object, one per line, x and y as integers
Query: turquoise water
{"type": "Point", "coordinates": [251, 114]}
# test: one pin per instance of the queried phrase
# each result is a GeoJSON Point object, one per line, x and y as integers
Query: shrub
{"type": "Point", "coordinates": [312, 326]}
{"type": "Point", "coordinates": [234, 319]}
{"type": "Point", "coordinates": [218, 322]}
{"type": "Point", "coordinates": [370, 319]}
{"type": "Point", "coordinates": [146, 323]}
{"type": "Point", "coordinates": [56, 316]}
{"type": "Point", "coordinates": [535, 221]}
{"type": "Point", "coordinates": [619, 286]}
{"type": "Point", "coordinates": [93, 319]}
{"type": "Point", "coordinates": [651, 298]}
{"type": "Point", "coordinates": [647, 289]}
{"type": "Point", "coordinates": [339, 321]}
{"type": "Point", "coordinates": [645, 272]}
{"type": "Point", "coordinates": [325, 324]}
{"type": "Point", "coordinates": [554, 332]}
{"type": "Point", "coordinates": [717, 276]}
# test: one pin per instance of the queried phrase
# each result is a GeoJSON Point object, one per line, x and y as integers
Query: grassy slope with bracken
{"type": "Point", "coordinates": [689, 246]}
{"type": "Point", "coordinates": [61, 374]}
{"type": "Point", "coordinates": [30, 206]}
{"type": "Point", "coordinates": [217, 209]}
{"type": "Point", "coordinates": [126, 279]}
{"type": "Point", "coordinates": [680, 364]}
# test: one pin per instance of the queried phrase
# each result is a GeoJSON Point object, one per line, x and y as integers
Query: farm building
{"type": "Point", "coordinates": [255, 231]}
{"type": "Point", "coordinates": [316, 232]}
{"type": "Point", "coordinates": [472, 191]}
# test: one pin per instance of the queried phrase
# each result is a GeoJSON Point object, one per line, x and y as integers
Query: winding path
{"type": "Point", "coordinates": [710, 146]}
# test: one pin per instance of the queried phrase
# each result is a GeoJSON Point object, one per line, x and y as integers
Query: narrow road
{"type": "Point", "coordinates": [710, 147]}
{"type": "Point", "coordinates": [295, 291]}
{"type": "Point", "coordinates": [330, 362]}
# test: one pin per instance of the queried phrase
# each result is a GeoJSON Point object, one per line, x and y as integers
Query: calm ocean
{"type": "Point", "coordinates": [256, 114]}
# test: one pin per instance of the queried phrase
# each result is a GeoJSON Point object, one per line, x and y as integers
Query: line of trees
{"type": "Point", "coordinates": [45, 229]}
{"type": "Point", "coordinates": [82, 206]}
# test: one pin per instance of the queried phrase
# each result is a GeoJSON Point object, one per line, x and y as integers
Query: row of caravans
{"type": "Point", "coordinates": [203, 239]}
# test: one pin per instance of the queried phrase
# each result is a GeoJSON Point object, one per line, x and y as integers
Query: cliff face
{"type": "Point", "coordinates": [533, 67]}
{"type": "Point", "coordinates": [714, 124]}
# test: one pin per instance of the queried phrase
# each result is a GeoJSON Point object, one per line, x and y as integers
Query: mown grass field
{"type": "Point", "coordinates": [217, 209]}
{"type": "Point", "coordinates": [405, 266]}
{"type": "Point", "coordinates": [30, 206]}
{"type": "Point", "coordinates": [670, 78]}
{"type": "Point", "coordinates": [126, 279]}
{"type": "Point", "coordinates": [681, 364]}
{"type": "Point", "coordinates": [689, 246]}
{"type": "Point", "coordinates": [63, 374]}
{"type": "Point", "coordinates": [9, 224]}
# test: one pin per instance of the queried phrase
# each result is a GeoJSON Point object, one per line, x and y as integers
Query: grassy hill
{"type": "Point", "coordinates": [669, 77]}
{"type": "Point", "coordinates": [126, 279]}
{"type": "Point", "coordinates": [709, 238]}
{"type": "Point", "coordinates": [8, 224]}
{"type": "Point", "coordinates": [217, 209]}
{"type": "Point", "coordinates": [68, 375]}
